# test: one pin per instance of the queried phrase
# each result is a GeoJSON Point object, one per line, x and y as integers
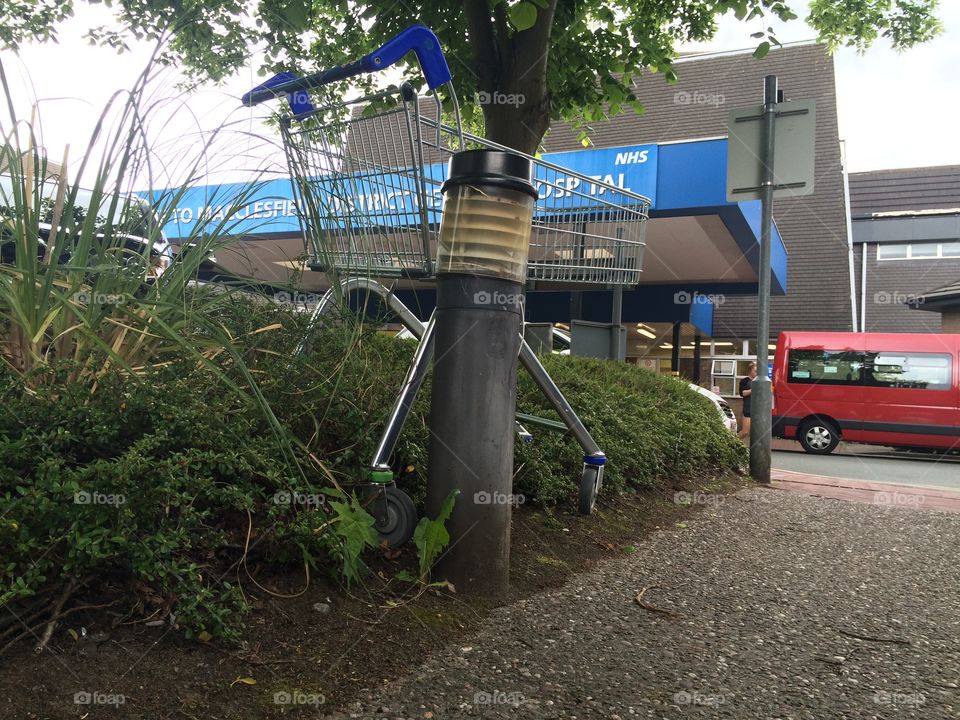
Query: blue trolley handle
{"type": "Point", "coordinates": [418, 38]}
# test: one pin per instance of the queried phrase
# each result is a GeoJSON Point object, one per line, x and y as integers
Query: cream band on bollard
{"type": "Point", "coordinates": [487, 214]}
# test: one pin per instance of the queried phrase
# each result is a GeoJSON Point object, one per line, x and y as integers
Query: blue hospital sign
{"type": "Point", "coordinates": [337, 199]}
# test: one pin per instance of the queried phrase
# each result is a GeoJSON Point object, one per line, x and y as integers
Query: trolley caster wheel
{"type": "Point", "coordinates": [589, 487]}
{"type": "Point", "coordinates": [400, 519]}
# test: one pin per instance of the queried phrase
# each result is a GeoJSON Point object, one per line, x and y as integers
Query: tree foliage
{"type": "Point", "coordinates": [519, 63]}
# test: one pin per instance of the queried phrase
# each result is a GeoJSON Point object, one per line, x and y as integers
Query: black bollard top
{"type": "Point", "coordinates": [490, 167]}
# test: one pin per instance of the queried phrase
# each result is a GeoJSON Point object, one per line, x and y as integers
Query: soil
{"type": "Point", "coordinates": [315, 652]}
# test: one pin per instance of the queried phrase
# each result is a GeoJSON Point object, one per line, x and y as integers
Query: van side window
{"type": "Point", "coordinates": [825, 367]}
{"type": "Point", "coordinates": [927, 371]}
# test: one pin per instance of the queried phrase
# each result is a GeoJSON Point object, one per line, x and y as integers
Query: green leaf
{"type": "Point", "coordinates": [298, 14]}
{"type": "Point", "coordinates": [523, 16]}
{"type": "Point", "coordinates": [405, 576]}
{"type": "Point", "coordinates": [431, 536]}
{"type": "Point", "coordinates": [356, 530]}
{"type": "Point", "coordinates": [762, 50]}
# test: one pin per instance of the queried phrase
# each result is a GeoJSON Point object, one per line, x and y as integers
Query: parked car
{"type": "Point", "coordinates": [727, 415]}
{"type": "Point", "coordinates": [127, 240]}
{"type": "Point", "coordinates": [561, 342]}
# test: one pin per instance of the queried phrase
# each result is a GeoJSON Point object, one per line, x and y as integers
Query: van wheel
{"type": "Point", "coordinates": [818, 437]}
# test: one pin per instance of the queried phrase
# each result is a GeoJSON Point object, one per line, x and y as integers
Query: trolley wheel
{"type": "Point", "coordinates": [401, 518]}
{"type": "Point", "coordinates": [819, 437]}
{"type": "Point", "coordinates": [589, 487]}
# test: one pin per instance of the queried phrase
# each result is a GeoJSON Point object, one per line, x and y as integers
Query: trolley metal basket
{"type": "Point", "coordinates": [370, 185]}
{"type": "Point", "coordinates": [367, 176]}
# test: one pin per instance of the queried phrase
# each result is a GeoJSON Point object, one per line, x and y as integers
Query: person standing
{"type": "Point", "coordinates": [745, 392]}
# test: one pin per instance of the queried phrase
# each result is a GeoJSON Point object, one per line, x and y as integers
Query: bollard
{"type": "Point", "coordinates": [481, 273]}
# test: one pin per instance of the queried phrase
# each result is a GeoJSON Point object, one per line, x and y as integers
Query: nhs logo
{"type": "Point", "coordinates": [631, 157]}
{"type": "Point", "coordinates": [631, 167]}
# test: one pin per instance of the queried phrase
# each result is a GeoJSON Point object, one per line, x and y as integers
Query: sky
{"type": "Point", "coordinates": [895, 110]}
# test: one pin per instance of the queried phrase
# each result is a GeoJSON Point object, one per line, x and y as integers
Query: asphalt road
{"type": "Point", "coordinates": [875, 465]}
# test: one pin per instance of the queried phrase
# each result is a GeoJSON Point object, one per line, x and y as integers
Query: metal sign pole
{"type": "Point", "coordinates": [760, 396]}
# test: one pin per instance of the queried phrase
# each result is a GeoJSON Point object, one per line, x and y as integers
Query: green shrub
{"type": "Point", "coordinates": [652, 429]}
{"type": "Point", "coordinates": [199, 467]}
{"type": "Point", "coordinates": [140, 478]}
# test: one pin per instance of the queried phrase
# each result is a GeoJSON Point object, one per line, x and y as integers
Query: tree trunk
{"type": "Point", "coordinates": [511, 70]}
{"type": "Point", "coordinates": [521, 121]}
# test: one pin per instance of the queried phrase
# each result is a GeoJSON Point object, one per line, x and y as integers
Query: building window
{"type": "Point", "coordinates": [924, 250]}
{"type": "Point", "coordinates": [892, 251]}
{"type": "Point", "coordinates": [950, 249]}
{"type": "Point", "coordinates": [918, 251]}
{"type": "Point", "coordinates": [723, 376]}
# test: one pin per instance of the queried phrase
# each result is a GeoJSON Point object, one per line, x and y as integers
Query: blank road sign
{"type": "Point", "coordinates": [793, 160]}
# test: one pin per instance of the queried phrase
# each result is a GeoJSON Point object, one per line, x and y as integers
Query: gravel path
{"type": "Point", "coordinates": [762, 596]}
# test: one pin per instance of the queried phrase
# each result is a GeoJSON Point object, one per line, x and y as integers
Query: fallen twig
{"type": "Point", "coordinates": [32, 630]}
{"type": "Point", "coordinates": [55, 616]}
{"type": "Point", "coordinates": [895, 641]}
{"type": "Point", "coordinates": [652, 608]}
{"type": "Point", "coordinates": [830, 661]}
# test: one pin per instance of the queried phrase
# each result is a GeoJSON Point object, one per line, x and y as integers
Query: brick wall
{"type": "Point", "coordinates": [891, 282]}
{"type": "Point", "coordinates": [813, 227]}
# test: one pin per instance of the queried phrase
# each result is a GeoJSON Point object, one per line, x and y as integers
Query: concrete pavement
{"type": "Point", "coordinates": [871, 475]}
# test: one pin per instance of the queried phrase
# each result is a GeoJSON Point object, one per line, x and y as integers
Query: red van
{"type": "Point", "coordinates": [897, 389]}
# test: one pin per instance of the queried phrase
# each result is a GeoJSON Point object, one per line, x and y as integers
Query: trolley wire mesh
{"type": "Point", "coordinates": [368, 192]}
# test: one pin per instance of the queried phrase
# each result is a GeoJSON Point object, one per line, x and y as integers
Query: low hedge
{"type": "Point", "coordinates": [651, 427]}
{"type": "Point", "coordinates": [199, 468]}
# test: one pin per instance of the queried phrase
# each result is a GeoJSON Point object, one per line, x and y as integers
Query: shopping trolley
{"type": "Point", "coordinates": [367, 175]}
